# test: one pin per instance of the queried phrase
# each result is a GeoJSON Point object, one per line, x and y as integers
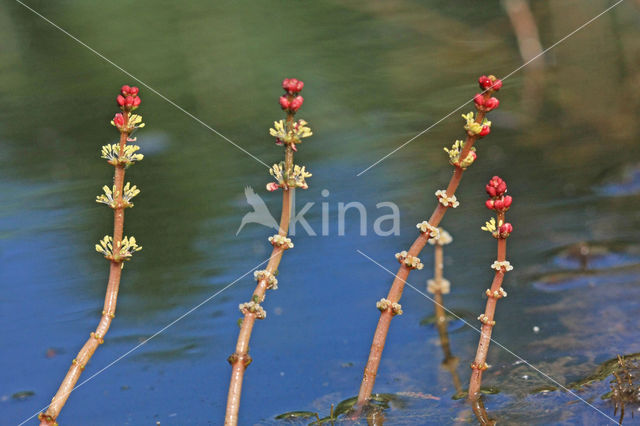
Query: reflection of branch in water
{"type": "Point", "coordinates": [526, 32]}
{"type": "Point", "coordinates": [481, 413]}
{"type": "Point", "coordinates": [439, 286]}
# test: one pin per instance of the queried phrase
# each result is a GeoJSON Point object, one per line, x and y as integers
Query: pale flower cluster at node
{"type": "Point", "coordinates": [485, 320]}
{"type": "Point", "coordinates": [431, 231]}
{"type": "Point", "coordinates": [299, 176]}
{"type": "Point", "coordinates": [272, 281]}
{"type": "Point", "coordinates": [297, 179]}
{"type": "Point", "coordinates": [409, 261]}
{"type": "Point", "coordinates": [123, 251]}
{"type": "Point", "coordinates": [498, 294]}
{"type": "Point", "coordinates": [299, 130]}
{"type": "Point", "coordinates": [476, 129]}
{"type": "Point", "coordinates": [110, 195]}
{"type": "Point", "coordinates": [254, 308]}
{"type": "Point", "coordinates": [443, 239]}
{"type": "Point", "coordinates": [454, 155]}
{"type": "Point", "coordinates": [281, 241]}
{"type": "Point", "coordinates": [443, 287]}
{"type": "Point", "coordinates": [277, 171]}
{"type": "Point", "coordinates": [384, 304]}
{"type": "Point", "coordinates": [490, 226]}
{"type": "Point", "coordinates": [503, 266]}
{"type": "Point", "coordinates": [446, 200]}
{"type": "Point", "coordinates": [111, 153]}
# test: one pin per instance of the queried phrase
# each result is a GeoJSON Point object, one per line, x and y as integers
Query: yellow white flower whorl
{"type": "Point", "coordinates": [111, 153]}
{"type": "Point", "coordinates": [498, 294]}
{"type": "Point", "coordinates": [431, 231]}
{"type": "Point", "coordinates": [254, 308]}
{"type": "Point", "coordinates": [281, 241]}
{"type": "Point", "coordinates": [123, 250]}
{"type": "Point", "coordinates": [384, 304]}
{"type": "Point", "coordinates": [409, 261]}
{"type": "Point", "coordinates": [446, 200]}
{"type": "Point", "coordinates": [272, 282]}
{"type": "Point", "coordinates": [110, 195]}
{"type": "Point", "coordinates": [503, 266]}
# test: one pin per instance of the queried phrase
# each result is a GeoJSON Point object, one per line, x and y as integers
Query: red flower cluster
{"type": "Point", "coordinates": [291, 105]}
{"type": "Point", "coordinates": [490, 83]}
{"type": "Point", "coordinates": [292, 85]}
{"type": "Point", "coordinates": [485, 104]}
{"type": "Point", "coordinates": [291, 101]}
{"type": "Point", "coordinates": [496, 188]}
{"type": "Point", "coordinates": [128, 99]}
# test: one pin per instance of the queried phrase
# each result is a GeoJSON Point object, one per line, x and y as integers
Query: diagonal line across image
{"type": "Point", "coordinates": [398, 148]}
{"type": "Point", "coordinates": [142, 83]}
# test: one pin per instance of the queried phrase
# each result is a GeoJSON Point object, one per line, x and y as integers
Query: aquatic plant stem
{"type": "Point", "coordinates": [240, 359]}
{"type": "Point", "coordinates": [479, 364]}
{"type": "Point", "coordinates": [395, 293]}
{"type": "Point", "coordinates": [115, 271]}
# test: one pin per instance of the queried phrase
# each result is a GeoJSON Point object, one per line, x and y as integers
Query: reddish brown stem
{"type": "Point", "coordinates": [240, 359]}
{"type": "Point", "coordinates": [479, 363]}
{"type": "Point", "coordinates": [108, 313]}
{"type": "Point", "coordinates": [395, 293]}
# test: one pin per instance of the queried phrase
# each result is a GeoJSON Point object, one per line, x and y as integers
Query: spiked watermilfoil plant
{"type": "Point", "coordinates": [499, 229]}
{"type": "Point", "coordinates": [461, 155]}
{"type": "Point", "coordinates": [116, 248]}
{"type": "Point", "coordinates": [288, 176]}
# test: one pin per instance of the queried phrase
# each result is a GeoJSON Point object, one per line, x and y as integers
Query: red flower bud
{"type": "Point", "coordinates": [505, 229]}
{"type": "Point", "coordinates": [128, 102]}
{"type": "Point", "coordinates": [134, 90]}
{"type": "Point", "coordinates": [491, 104]}
{"type": "Point", "coordinates": [296, 103]}
{"type": "Point", "coordinates": [507, 201]}
{"type": "Point", "coordinates": [485, 82]}
{"type": "Point", "coordinates": [489, 204]}
{"type": "Point", "coordinates": [485, 131]}
{"type": "Point", "coordinates": [136, 101]}
{"type": "Point", "coordinates": [479, 100]}
{"type": "Point", "coordinates": [120, 100]}
{"type": "Point", "coordinates": [125, 90]}
{"type": "Point", "coordinates": [284, 102]}
{"type": "Point", "coordinates": [497, 84]}
{"type": "Point", "coordinates": [118, 120]}
{"type": "Point", "coordinates": [499, 204]}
